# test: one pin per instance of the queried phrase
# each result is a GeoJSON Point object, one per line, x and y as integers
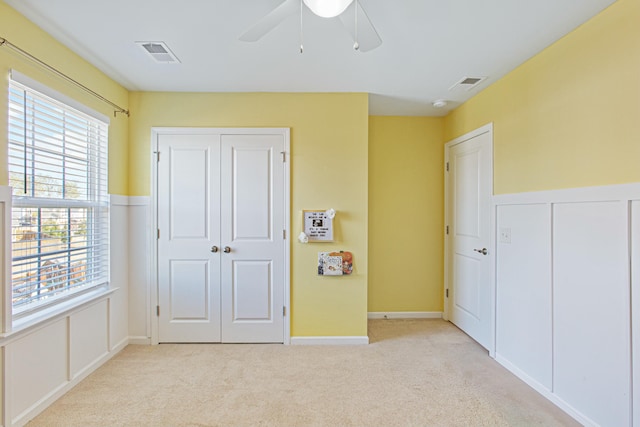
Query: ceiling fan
{"type": "Point", "coordinates": [350, 13]}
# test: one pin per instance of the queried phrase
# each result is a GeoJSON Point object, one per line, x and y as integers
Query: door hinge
{"type": "Point", "coordinates": [284, 310]}
{"type": "Point", "coordinates": [447, 165]}
{"type": "Point", "coordinates": [158, 233]}
{"type": "Point", "coordinates": [157, 156]}
{"type": "Point", "coordinates": [284, 234]}
{"type": "Point", "coordinates": [158, 310]}
{"type": "Point", "coordinates": [284, 156]}
{"type": "Point", "coordinates": [447, 230]}
{"type": "Point", "coordinates": [447, 293]}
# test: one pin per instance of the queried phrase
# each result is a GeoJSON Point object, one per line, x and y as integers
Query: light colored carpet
{"type": "Point", "coordinates": [414, 373]}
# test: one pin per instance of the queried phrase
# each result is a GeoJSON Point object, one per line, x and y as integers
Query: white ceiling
{"type": "Point", "coordinates": [428, 45]}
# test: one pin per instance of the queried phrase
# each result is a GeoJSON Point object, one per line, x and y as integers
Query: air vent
{"type": "Point", "coordinates": [160, 52]}
{"type": "Point", "coordinates": [467, 83]}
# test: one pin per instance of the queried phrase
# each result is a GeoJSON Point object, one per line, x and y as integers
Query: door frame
{"type": "Point", "coordinates": [488, 128]}
{"type": "Point", "coordinates": [153, 215]}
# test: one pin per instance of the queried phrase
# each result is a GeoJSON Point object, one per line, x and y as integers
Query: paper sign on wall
{"type": "Point", "coordinates": [318, 226]}
{"type": "Point", "coordinates": [335, 263]}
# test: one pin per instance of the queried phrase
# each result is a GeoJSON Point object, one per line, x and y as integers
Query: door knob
{"type": "Point", "coordinates": [227, 249]}
{"type": "Point", "coordinates": [214, 249]}
{"type": "Point", "coordinates": [482, 251]}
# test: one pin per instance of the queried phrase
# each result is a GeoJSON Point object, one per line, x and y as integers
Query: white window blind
{"type": "Point", "coordinates": [60, 216]}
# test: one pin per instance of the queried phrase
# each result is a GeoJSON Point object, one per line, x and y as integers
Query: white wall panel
{"type": "Point", "coordinates": [5, 291]}
{"type": "Point", "coordinates": [118, 316]}
{"type": "Point", "coordinates": [37, 367]}
{"type": "Point", "coordinates": [50, 354]}
{"type": "Point", "coordinates": [592, 309]}
{"type": "Point", "coordinates": [139, 281]}
{"type": "Point", "coordinates": [5, 257]}
{"type": "Point", "coordinates": [635, 303]}
{"type": "Point", "coordinates": [119, 275]}
{"type": "Point", "coordinates": [595, 283]}
{"type": "Point", "coordinates": [2, 381]}
{"type": "Point", "coordinates": [523, 274]}
{"type": "Point", "coordinates": [88, 337]}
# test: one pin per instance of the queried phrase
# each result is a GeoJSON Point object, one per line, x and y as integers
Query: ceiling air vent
{"type": "Point", "coordinates": [467, 83]}
{"type": "Point", "coordinates": [160, 52]}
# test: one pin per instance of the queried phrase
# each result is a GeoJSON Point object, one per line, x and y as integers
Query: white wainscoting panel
{"type": "Point", "coordinates": [635, 304]}
{"type": "Point", "coordinates": [88, 336]}
{"type": "Point", "coordinates": [2, 381]}
{"type": "Point", "coordinates": [37, 368]}
{"type": "Point", "coordinates": [140, 228]}
{"type": "Point", "coordinates": [119, 274]}
{"type": "Point", "coordinates": [592, 319]}
{"type": "Point", "coordinates": [45, 356]}
{"type": "Point", "coordinates": [5, 254]}
{"type": "Point", "coordinates": [5, 292]}
{"type": "Point", "coordinates": [570, 276]}
{"type": "Point", "coordinates": [523, 308]}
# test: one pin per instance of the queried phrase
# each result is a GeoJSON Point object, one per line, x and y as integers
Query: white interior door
{"type": "Point", "coordinates": [221, 246]}
{"type": "Point", "coordinates": [469, 255]}
{"type": "Point", "coordinates": [252, 232]}
{"type": "Point", "coordinates": [189, 227]}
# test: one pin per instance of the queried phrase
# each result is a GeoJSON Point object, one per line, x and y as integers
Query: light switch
{"type": "Point", "coordinates": [505, 235]}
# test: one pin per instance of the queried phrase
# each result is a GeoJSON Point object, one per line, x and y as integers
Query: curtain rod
{"type": "Point", "coordinates": [118, 109]}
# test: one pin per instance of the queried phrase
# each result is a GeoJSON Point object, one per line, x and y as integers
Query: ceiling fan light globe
{"type": "Point", "coordinates": [327, 8]}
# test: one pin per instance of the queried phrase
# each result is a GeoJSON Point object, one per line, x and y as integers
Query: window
{"type": "Point", "coordinates": [57, 159]}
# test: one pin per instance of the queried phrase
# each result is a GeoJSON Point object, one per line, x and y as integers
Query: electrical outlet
{"type": "Point", "coordinates": [505, 235]}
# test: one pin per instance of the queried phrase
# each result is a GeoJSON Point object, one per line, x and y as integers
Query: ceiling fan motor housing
{"type": "Point", "coordinates": [328, 8]}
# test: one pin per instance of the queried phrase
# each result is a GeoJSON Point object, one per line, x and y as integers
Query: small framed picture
{"type": "Point", "coordinates": [317, 226]}
{"type": "Point", "coordinates": [335, 263]}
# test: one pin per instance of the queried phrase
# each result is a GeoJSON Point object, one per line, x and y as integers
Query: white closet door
{"type": "Point", "coordinates": [252, 225]}
{"type": "Point", "coordinates": [189, 224]}
{"type": "Point", "coordinates": [221, 253]}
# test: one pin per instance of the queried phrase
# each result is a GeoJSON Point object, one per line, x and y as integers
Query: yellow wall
{"type": "Point", "coordinates": [570, 116]}
{"type": "Point", "coordinates": [566, 118]}
{"type": "Point", "coordinates": [21, 32]}
{"type": "Point", "coordinates": [328, 170]}
{"type": "Point", "coordinates": [406, 214]}
{"type": "Point", "coordinates": [336, 124]}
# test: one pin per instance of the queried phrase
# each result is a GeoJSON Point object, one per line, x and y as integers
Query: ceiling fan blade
{"type": "Point", "coordinates": [367, 37]}
{"type": "Point", "coordinates": [271, 20]}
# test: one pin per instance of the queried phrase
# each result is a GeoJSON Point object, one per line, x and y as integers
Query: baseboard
{"type": "Point", "coordinates": [404, 315]}
{"type": "Point", "coordinates": [120, 345]}
{"type": "Point", "coordinates": [330, 340]}
{"type": "Point", "coordinates": [140, 340]}
{"type": "Point", "coordinates": [544, 391]}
